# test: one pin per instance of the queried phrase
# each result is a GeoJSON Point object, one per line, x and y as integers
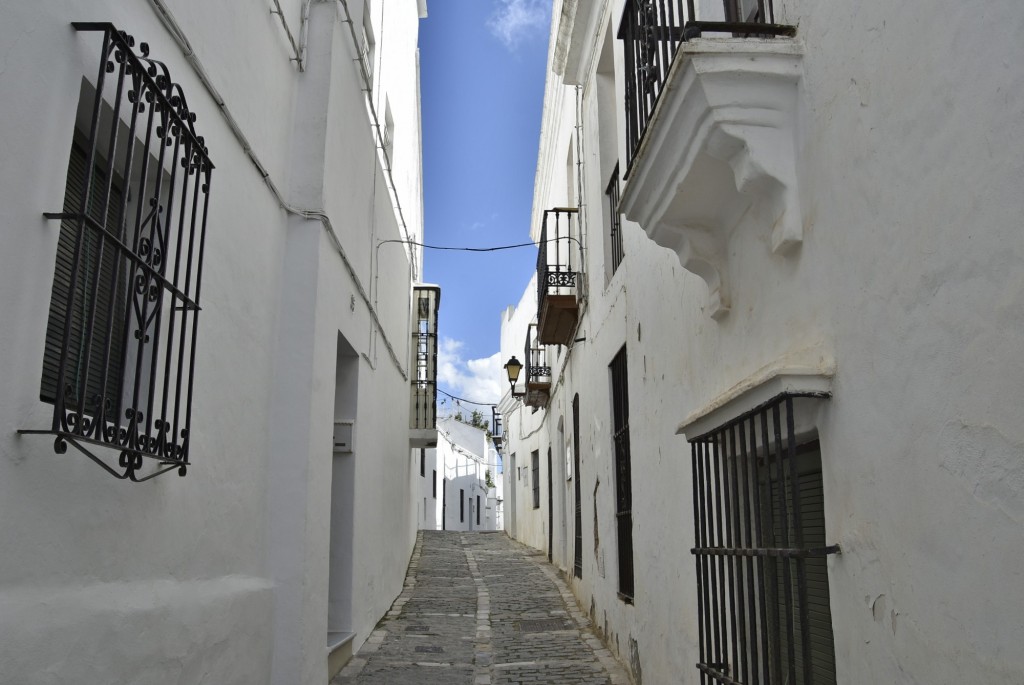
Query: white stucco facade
{"type": "Point", "coordinates": [859, 240]}
{"type": "Point", "coordinates": [464, 456]}
{"type": "Point", "coordinates": [244, 570]}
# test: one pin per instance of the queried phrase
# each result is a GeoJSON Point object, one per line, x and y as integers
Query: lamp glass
{"type": "Point", "coordinates": [512, 368]}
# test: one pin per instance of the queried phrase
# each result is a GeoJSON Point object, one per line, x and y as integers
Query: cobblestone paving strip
{"type": "Point", "coordinates": [482, 609]}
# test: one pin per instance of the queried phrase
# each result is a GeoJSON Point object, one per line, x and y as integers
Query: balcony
{"type": "Point", "coordinates": [558, 263]}
{"type": "Point", "coordinates": [497, 430]}
{"type": "Point", "coordinates": [538, 371]}
{"type": "Point", "coordinates": [423, 406]}
{"type": "Point", "coordinates": [711, 108]}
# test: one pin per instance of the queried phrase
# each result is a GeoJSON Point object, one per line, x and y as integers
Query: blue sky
{"type": "Point", "coordinates": [482, 69]}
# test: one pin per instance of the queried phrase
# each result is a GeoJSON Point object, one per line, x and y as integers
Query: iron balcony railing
{"type": "Point", "coordinates": [537, 368]}
{"type": "Point", "coordinates": [557, 258]}
{"type": "Point", "coordinates": [423, 408]}
{"type": "Point", "coordinates": [538, 371]}
{"type": "Point", "coordinates": [497, 429]}
{"type": "Point", "coordinates": [652, 32]}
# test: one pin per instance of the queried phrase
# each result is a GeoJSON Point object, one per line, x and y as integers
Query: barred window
{"type": "Point", "coordinates": [614, 221]}
{"type": "Point", "coordinates": [122, 329]}
{"type": "Point", "coordinates": [577, 564]}
{"type": "Point", "coordinates": [535, 466]}
{"type": "Point", "coordinates": [761, 550]}
{"type": "Point", "coordinates": [623, 474]}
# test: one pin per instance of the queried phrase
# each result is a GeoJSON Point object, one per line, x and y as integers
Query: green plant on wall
{"type": "Point", "coordinates": [488, 480]}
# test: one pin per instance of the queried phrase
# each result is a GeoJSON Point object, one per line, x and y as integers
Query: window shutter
{"type": "Point", "coordinates": [812, 515]}
{"type": "Point", "coordinates": [107, 288]}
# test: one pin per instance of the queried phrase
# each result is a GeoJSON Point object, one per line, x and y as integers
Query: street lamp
{"type": "Point", "coordinates": [512, 368]}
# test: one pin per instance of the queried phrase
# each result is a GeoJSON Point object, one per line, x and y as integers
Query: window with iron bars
{"type": "Point", "coordinates": [535, 466]}
{"type": "Point", "coordinates": [760, 552]}
{"type": "Point", "coordinates": [623, 474]}
{"type": "Point", "coordinates": [577, 564]}
{"type": "Point", "coordinates": [614, 221]}
{"type": "Point", "coordinates": [122, 327]}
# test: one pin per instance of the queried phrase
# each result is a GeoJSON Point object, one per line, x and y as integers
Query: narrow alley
{"type": "Point", "coordinates": [482, 609]}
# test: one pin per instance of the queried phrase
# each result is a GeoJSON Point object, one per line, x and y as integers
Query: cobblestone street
{"type": "Point", "coordinates": [481, 609]}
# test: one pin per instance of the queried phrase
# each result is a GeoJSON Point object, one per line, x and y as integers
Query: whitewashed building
{"type": "Point", "coordinates": [455, 493]}
{"type": "Point", "coordinates": [198, 202]}
{"type": "Point", "coordinates": [774, 354]}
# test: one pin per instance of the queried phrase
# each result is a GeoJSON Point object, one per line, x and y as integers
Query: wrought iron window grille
{"type": "Point", "coordinates": [614, 220]}
{"type": "Point", "coordinates": [756, 491]}
{"type": "Point", "coordinates": [122, 332]}
{"type": "Point", "coordinates": [623, 474]}
{"type": "Point", "coordinates": [577, 564]}
{"type": "Point", "coordinates": [652, 32]}
{"type": "Point", "coordinates": [535, 467]}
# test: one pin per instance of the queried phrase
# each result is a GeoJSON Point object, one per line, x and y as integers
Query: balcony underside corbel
{"type": "Point", "coordinates": [720, 149]}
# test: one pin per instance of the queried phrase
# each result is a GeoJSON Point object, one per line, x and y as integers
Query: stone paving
{"type": "Point", "coordinates": [482, 609]}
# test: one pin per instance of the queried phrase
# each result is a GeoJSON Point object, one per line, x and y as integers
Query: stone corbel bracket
{"type": "Point", "coordinates": [721, 142]}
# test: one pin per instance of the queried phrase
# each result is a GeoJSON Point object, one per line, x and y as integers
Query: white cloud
{"type": "Point", "coordinates": [474, 379]}
{"type": "Point", "coordinates": [515, 19]}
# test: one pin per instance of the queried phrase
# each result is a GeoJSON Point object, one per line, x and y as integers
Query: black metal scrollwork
{"type": "Point", "coordinates": [561, 279]}
{"type": "Point", "coordinates": [137, 269]}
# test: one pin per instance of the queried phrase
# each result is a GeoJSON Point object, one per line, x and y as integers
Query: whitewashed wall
{"type": "Point", "coordinates": [427, 500]}
{"type": "Point", "coordinates": [221, 576]}
{"type": "Point", "coordinates": [909, 280]}
{"type": "Point", "coordinates": [462, 469]}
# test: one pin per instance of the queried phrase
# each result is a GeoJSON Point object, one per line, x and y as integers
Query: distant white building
{"type": "Point", "coordinates": [769, 415]}
{"type": "Point", "coordinates": [194, 197]}
{"type": "Point", "coordinates": [454, 491]}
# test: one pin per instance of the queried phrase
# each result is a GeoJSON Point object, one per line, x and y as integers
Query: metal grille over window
{"type": "Point", "coordinates": [122, 328]}
{"type": "Point", "coordinates": [761, 550]}
{"type": "Point", "coordinates": [577, 564]}
{"type": "Point", "coordinates": [614, 220]}
{"type": "Point", "coordinates": [623, 473]}
{"type": "Point", "coordinates": [535, 467]}
{"type": "Point", "coordinates": [426, 304]}
{"type": "Point", "coordinates": [652, 32]}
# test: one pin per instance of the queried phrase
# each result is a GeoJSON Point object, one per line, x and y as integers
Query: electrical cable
{"type": "Point", "coordinates": [467, 249]}
{"type": "Point", "coordinates": [463, 399]}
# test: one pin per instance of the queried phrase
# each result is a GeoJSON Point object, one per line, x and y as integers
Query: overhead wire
{"type": "Point", "coordinates": [463, 399]}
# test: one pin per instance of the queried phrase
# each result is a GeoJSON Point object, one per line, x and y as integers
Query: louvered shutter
{"type": "Point", "coordinates": [812, 515]}
{"type": "Point", "coordinates": [104, 327]}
